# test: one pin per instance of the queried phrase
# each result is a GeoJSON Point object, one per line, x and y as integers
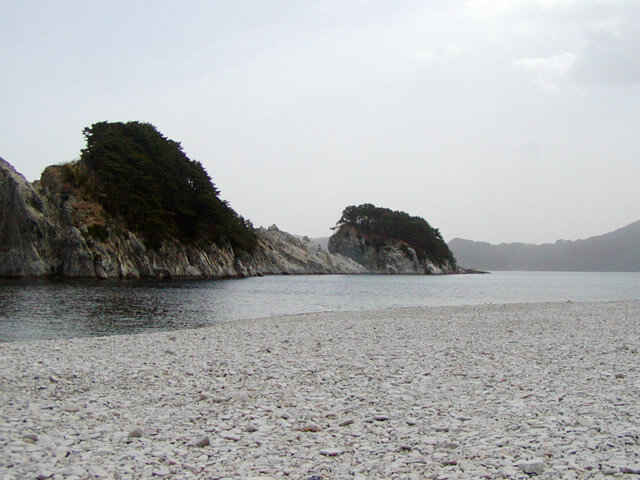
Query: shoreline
{"type": "Point", "coordinates": [501, 390]}
{"type": "Point", "coordinates": [288, 316]}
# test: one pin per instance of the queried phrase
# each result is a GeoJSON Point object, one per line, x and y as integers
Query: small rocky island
{"type": "Point", "coordinates": [386, 241]}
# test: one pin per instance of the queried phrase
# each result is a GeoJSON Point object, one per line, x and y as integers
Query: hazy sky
{"type": "Point", "coordinates": [495, 120]}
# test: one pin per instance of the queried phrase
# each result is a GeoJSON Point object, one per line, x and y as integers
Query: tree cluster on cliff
{"type": "Point", "coordinates": [148, 181]}
{"type": "Point", "coordinates": [383, 223]}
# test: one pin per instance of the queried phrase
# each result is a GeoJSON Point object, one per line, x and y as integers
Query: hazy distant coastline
{"type": "Point", "coordinates": [617, 251]}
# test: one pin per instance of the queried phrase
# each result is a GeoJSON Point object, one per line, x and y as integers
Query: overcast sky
{"type": "Point", "coordinates": [495, 120]}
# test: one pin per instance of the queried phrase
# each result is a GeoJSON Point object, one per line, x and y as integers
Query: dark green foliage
{"type": "Point", "coordinates": [98, 232]}
{"type": "Point", "coordinates": [68, 174]}
{"type": "Point", "coordinates": [381, 223]}
{"type": "Point", "coordinates": [147, 180]}
{"type": "Point", "coordinates": [74, 175]}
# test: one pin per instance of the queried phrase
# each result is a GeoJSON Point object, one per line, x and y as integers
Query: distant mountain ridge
{"type": "Point", "coordinates": [617, 251]}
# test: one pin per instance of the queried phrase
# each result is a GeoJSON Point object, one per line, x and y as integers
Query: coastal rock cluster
{"type": "Point", "coordinates": [388, 256]}
{"type": "Point", "coordinates": [280, 252]}
{"type": "Point", "coordinates": [510, 391]}
{"type": "Point", "coordinates": [47, 231]}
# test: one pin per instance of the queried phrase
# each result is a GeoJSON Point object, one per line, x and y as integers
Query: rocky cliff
{"type": "Point", "coordinates": [48, 230]}
{"type": "Point", "coordinates": [383, 255]}
{"type": "Point", "coordinates": [27, 232]}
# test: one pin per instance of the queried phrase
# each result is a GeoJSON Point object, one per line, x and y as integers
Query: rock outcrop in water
{"type": "Point", "coordinates": [46, 230]}
{"type": "Point", "coordinates": [387, 241]}
{"type": "Point", "coordinates": [390, 256]}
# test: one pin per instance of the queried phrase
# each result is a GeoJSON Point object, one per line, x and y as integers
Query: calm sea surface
{"type": "Point", "coordinates": [35, 309]}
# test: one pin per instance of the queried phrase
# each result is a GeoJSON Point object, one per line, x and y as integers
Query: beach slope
{"type": "Point", "coordinates": [493, 391]}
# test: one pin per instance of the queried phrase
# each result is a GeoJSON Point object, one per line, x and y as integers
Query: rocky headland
{"type": "Point", "coordinates": [135, 206]}
{"type": "Point", "coordinates": [48, 229]}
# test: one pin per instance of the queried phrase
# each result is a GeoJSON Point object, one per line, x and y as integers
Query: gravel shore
{"type": "Point", "coordinates": [492, 391]}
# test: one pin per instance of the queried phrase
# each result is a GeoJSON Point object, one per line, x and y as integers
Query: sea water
{"type": "Point", "coordinates": [38, 309]}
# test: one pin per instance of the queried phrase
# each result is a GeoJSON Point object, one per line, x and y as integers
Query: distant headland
{"type": "Point", "coordinates": [617, 251]}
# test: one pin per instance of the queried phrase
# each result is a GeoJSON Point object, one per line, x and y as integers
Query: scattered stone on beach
{"type": "Point", "coordinates": [512, 391]}
{"type": "Point", "coordinates": [380, 417]}
{"type": "Point", "coordinates": [330, 452]}
{"type": "Point", "coordinates": [631, 468]}
{"type": "Point", "coordinates": [161, 471]}
{"type": "Point", "coordinates": [135, 433]}
{"type": "Point", "coordinates": [231, 437]}
{"type": "Point", "coordinates": [201, 442]}
{"type": "Point", "coordinates": [609, 470]}
{"type": "Point", "coordinates": [44, 474]}
{"type": "Point", "coordinates": [532, 467]}
{"type": "Point", "coordinates": [309, 427]}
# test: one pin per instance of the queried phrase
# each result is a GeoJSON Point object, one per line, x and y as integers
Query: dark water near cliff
{"type": "Point", "coordinates": [35, 309]}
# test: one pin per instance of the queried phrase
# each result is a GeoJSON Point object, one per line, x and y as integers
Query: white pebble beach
{"type": "Point", "coordinates": [550, 390]}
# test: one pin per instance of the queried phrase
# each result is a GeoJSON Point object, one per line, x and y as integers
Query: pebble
{"type": "Point", "coordinates": [532, 467]}
{"type": "Point", "coordinates": [161, 471]}
{"type": "Point", "coordinates": [331, 452]}
{"type": "Point", "coordinates": [417, 459]}
{"type": "Point", "coordinates": [381, 418]}
{"type": "Point", "coordinates": [310, 427]}
{"type": "Point", "coordinates": [201, 442]}
{"type": "Point", "coordinates": [632, 468]}
{"type": "Point", "coordinates": [135, 433]}
{"type": "Point", "coordinates": [511, 391]}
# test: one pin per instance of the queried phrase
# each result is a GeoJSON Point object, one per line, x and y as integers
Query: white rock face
{"type": "Point", "coordinates": [26, 232]}
{"type": "Point", "coordinates": [493, 391]}
{"type": "Point", "coordinates": [280, 252]}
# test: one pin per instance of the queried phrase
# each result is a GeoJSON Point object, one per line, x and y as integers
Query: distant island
{"type": "Point", "coordinates": [617, 251]}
